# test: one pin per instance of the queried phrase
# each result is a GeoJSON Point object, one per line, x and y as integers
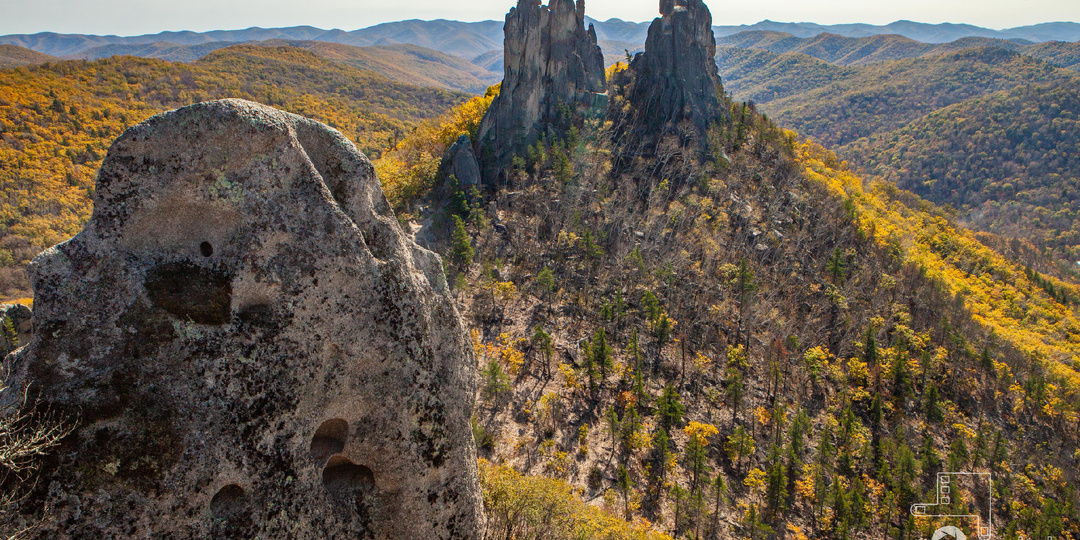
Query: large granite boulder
{"type": "Point", "coordinates": [677, 85]}
{"type": "Point", "coordinates": [552, 67]}
{"type": "Point", "coordinates": [250, 345]}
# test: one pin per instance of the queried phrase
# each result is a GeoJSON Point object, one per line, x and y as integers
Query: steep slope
{"type": "Point", "coordinates": [776, 346]}
{"type": "Point", "coordinates": [1007, 161]}
{"type": "Point", "coordinates": [15, 56]}
{"type": "Point", "coordinates": [756, 344]}
{"type": "Point", "coordinates": [56, 123]}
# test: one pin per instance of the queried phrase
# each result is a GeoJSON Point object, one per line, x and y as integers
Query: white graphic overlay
{"type": "Point", "coordinates": [961, 496]}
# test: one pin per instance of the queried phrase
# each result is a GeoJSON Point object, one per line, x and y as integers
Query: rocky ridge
{"type": "Point", "coordinates": [249, 345]}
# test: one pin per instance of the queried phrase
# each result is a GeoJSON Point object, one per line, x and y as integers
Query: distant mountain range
{"type": "Point", "coordinates": [472, 40]}
{"type": "Point", "coordinates": [850, 51]}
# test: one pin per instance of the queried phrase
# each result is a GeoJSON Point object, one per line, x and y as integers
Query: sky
{"type": "Point", "coordinates": [133, 17]}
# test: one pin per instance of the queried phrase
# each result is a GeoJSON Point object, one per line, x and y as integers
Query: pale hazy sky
{"type": "Point", "coordinates": [131, 17]}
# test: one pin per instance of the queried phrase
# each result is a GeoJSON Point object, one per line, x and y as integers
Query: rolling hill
{"type": "Point", "coordinates": [15, 56]}
{"type": "Point", "coordinates": [452, 37]}
{"type": "Point", "coordinates": [1008, 161]}
{"type": "Point", "coordinates": [855, 51]}
{"type": "Point", "coordinates": [885, 96]}
{"type": "Point", "coordinates": [987, 131]}
{"type": "Point", "coordinates": [56, 122]}
{"type": "Point", "coordinates": [405, 63]}
{"type": "Point", "coordinates": [410, 64]}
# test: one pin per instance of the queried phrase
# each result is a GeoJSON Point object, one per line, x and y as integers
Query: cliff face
{"type": "Point", "coordinates": [551, 61]}
{"type": "Point", "coordinates": [250, 345]}
{"type": "Point", "coordinates": [676, 79]}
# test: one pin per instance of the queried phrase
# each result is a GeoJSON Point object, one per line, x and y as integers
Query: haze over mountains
{"type": "Point", "coordinates": [472, 39]}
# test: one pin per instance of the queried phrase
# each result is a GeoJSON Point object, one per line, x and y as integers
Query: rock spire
{"type": "Point", "coordinates": [250, 346]}
{"type": "Point", "coordinates": [676, 77]}
{"type": "Point", "coordinates": [551, 62]}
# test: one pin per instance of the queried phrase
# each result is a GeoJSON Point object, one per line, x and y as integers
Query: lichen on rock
{"type": "Point", "coordinates": [250, 345]}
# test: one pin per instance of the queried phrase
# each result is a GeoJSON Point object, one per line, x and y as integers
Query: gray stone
{"type": "Point", "coordinates": [17, 327]}
{"type": "Point", "coordinates": [550, 62]}
{"type": "Point", "coordinates": [250, 345]}
{"type": "Point", "coordinates": [461, 162]}
{"type": "Point", "coordinates": [676, 78]}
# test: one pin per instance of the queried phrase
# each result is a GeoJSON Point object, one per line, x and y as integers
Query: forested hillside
{"type": "Point", "coordinates": [403, 63]}
{"type": "Point", "coordinates": [14, 56]}
{"type": "Point", "coordinates": [743, 339]}
{"type": "Point", "coordinates": [57, 121]}
{"type": "Point", "coordinates": [940, 126]}
{"type": "Point", "coordinates": [758, 345]}
{"type": "Point", "coordinates": [1008, 161]}
{"type": "Point", "coordinates": [886, 96]}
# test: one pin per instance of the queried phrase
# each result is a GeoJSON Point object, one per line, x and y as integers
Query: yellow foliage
{"type": "Point", "coordinates": [505, 290]}
{"type": "Point", "coordinates": [702, 362]}
{"type": "Point", "coordinates": [570, 377]}
{"type": "Point", "coordinates": [796, 532]}
{"type": "Point", "coordinates": [513, 359]}
{"type": "Point", "coordinates": [615, 69]}
{"type": "Point", "coordinates": [997, 292]}
{"type": "Point", "coordinates": [699, 432]}
{"type": "Point", "coordinates": [762, 415]}
{"type": "Point", "coordinates": [477, 342]}
{"type": "Point", "coordinates": [804, 486]}
{"type": "Point", "coordinates": [755, 479]}
{"type": "Point", "coordinates": [409, 170]}
{"type": "Point", "coordinates": [519, 506]}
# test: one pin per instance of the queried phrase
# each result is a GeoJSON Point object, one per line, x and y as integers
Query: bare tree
{"type": "Point", "coordinates": [27, 435]}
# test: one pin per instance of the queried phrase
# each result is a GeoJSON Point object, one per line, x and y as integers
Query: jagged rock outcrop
{"type": "Point", "coordinates": [551, 62]}
{"type": "Point", "coordinates": [250, 345]}
{"type": "Point", "coordinates": [676, 79]}
{"type": "Point", "coordinates": [17, 328]}
{"type": "Point", "coordinates": [460, 161]}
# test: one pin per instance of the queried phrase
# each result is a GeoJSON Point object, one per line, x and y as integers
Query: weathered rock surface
{"type": "Point", "coordinates": [17, 327]}
{"type": "Point", "coordinates": [676, 77]}
{"type": "Point", "coordinates": [461, 162]}
{"type": "Point", "coordinates": [251, 346]}
{"type": "Point", "coordinates": [551, 61]}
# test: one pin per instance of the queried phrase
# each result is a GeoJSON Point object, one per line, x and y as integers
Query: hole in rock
{"type": "Point", "coordinates": [190, 292]}
{"type": "Point", "coordinates": [228, 502]}
{"type": "Point", "coordinates": [329, 439]}
{"type": "Point", "coordinates": [206, 249]}
{"type": "Point", "coordinates": [346, 480]}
